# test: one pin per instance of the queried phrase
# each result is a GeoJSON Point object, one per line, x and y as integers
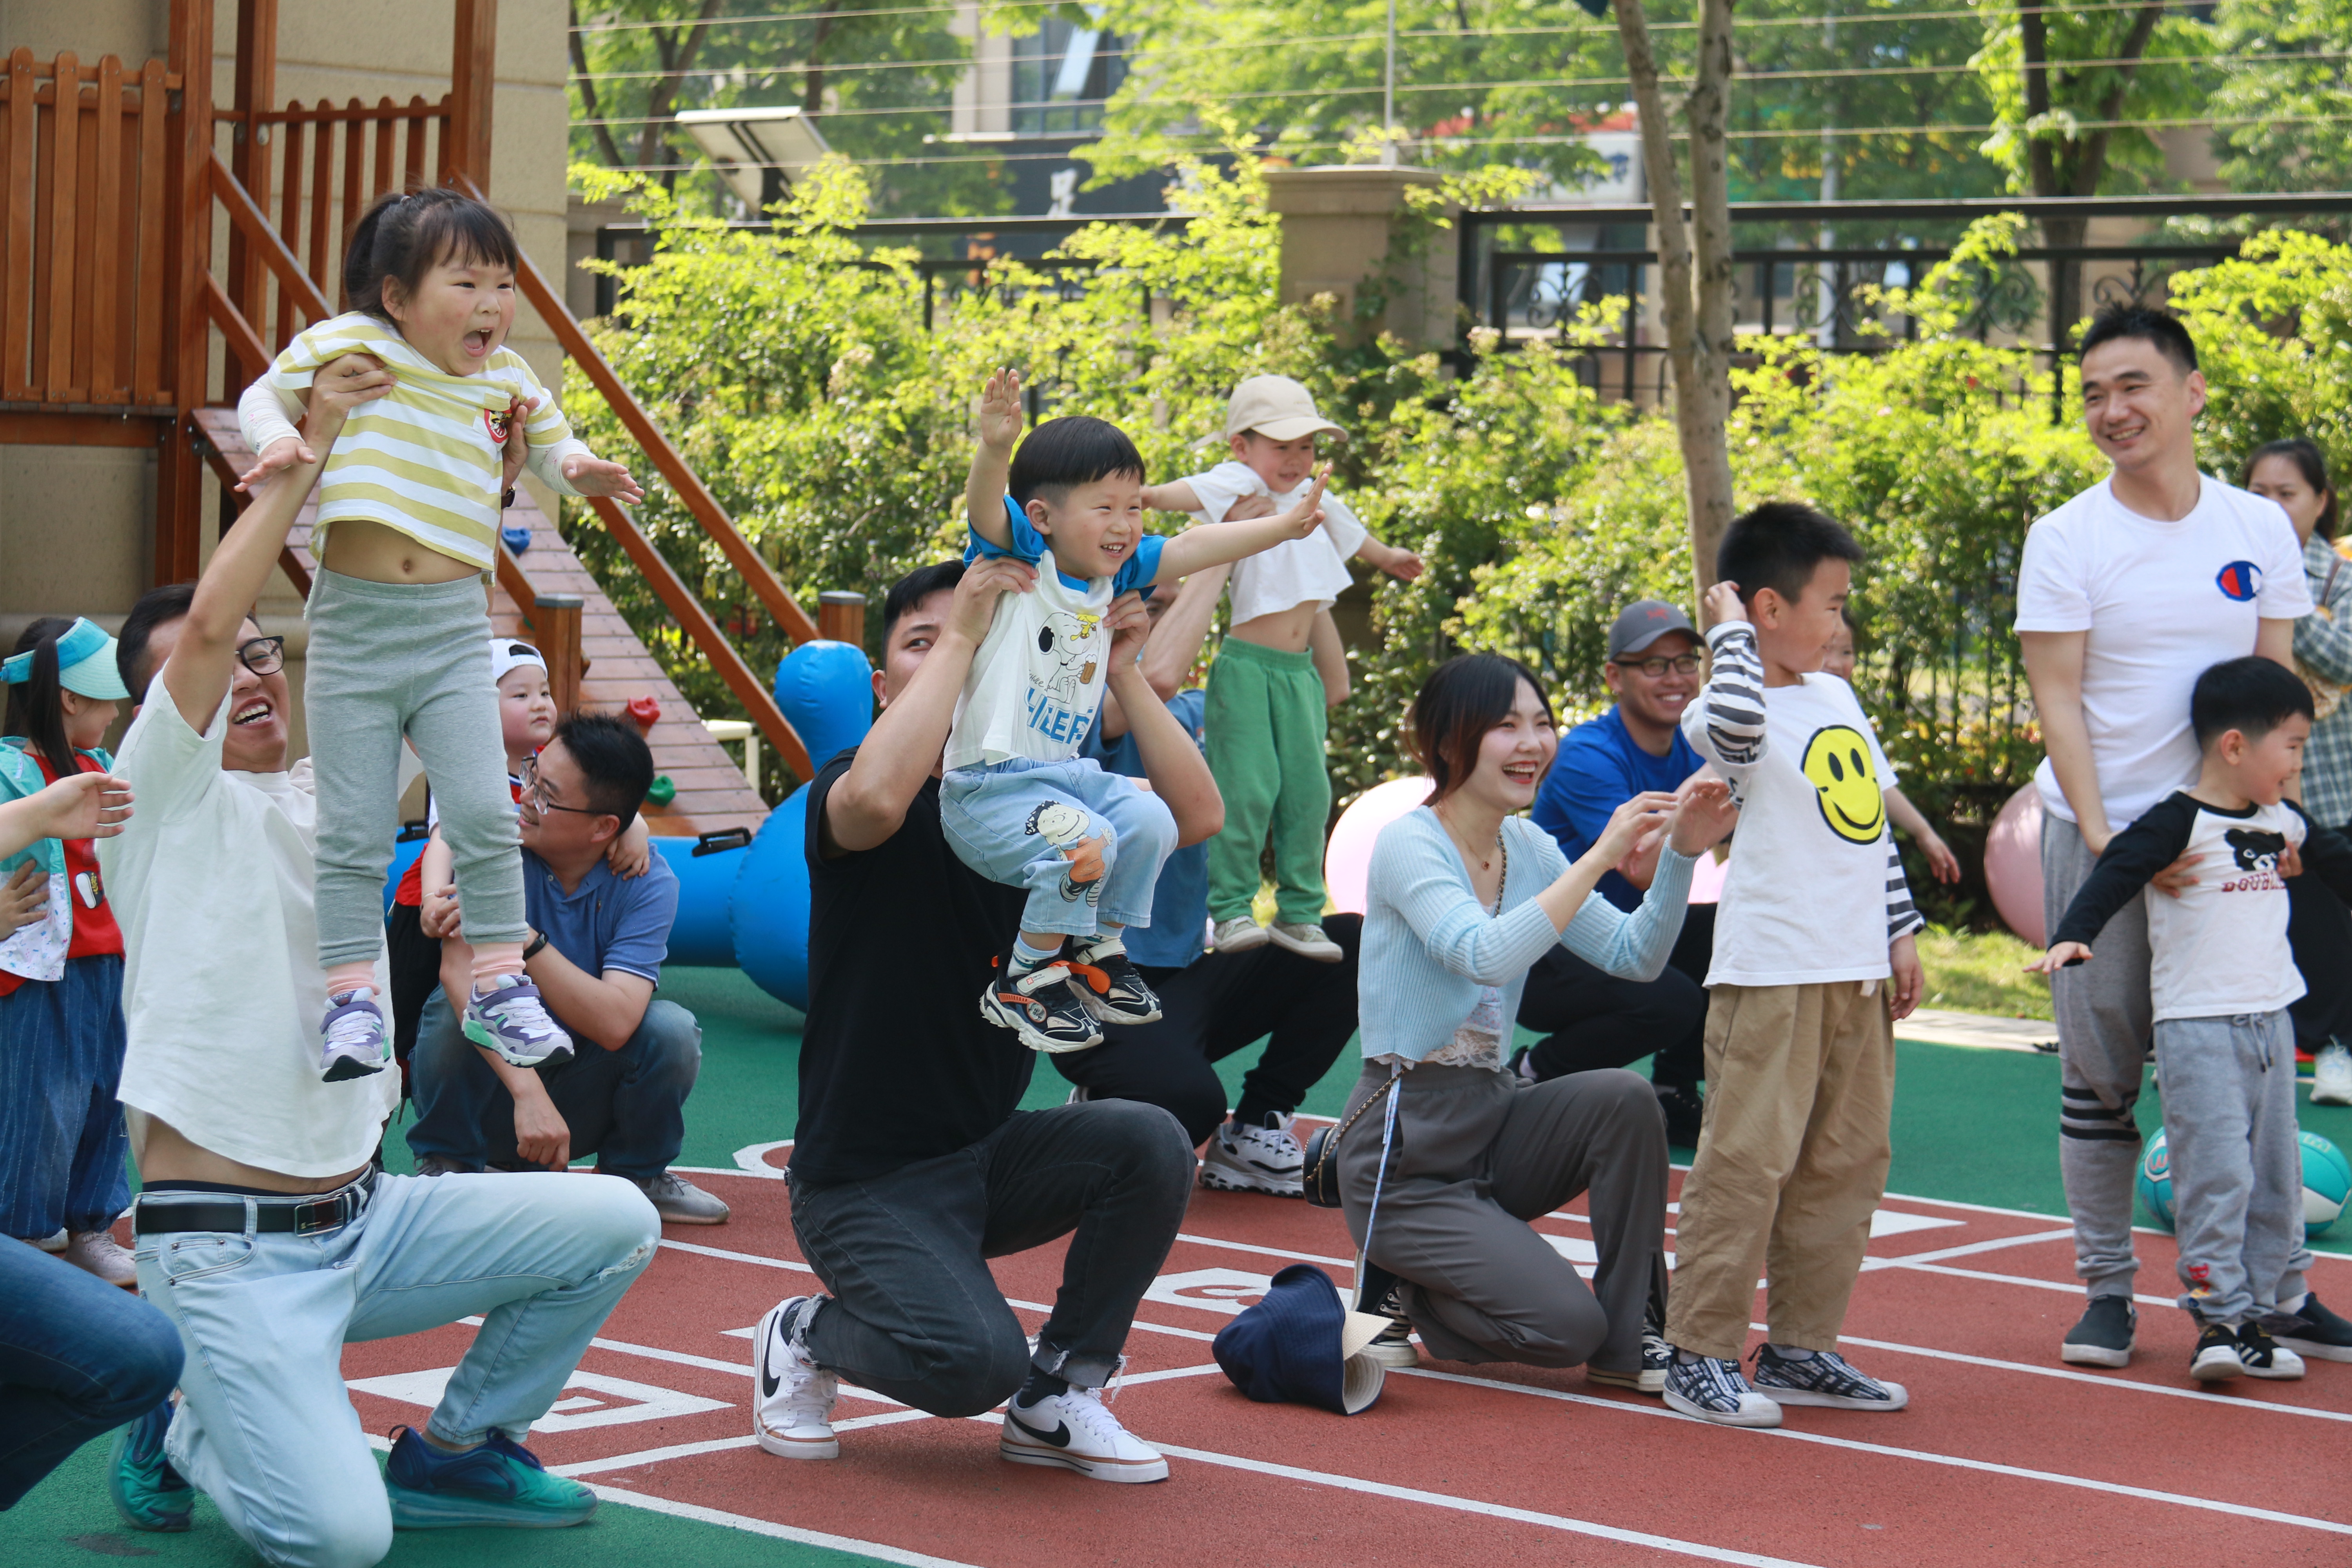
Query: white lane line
{"type": "Point", "coordinates": [1969, 1249]}
{"type": "Point", "coordinates": [1921, 1456]}
{"type": "Point", "coordinates": [1488, 1509]}
{"type": "Point", "coordinates": [2068, 1285]}
{"type": "Point", "coordinates": [612, 1493]}
{"type": "Point", "coordinates": [2205, 1396]}
{"type": "Point", "coordinates": [720, 1445]}
{"type": "Point", "coordinates": [655, 1352]}
{"type": "Point", "coordinates": [700, 1250]}
{"type": "Point", "coordinates": [1346, 1263]}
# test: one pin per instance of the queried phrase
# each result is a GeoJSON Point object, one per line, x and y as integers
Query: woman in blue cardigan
{"type": "Point", "coordinates": [1465, 896]}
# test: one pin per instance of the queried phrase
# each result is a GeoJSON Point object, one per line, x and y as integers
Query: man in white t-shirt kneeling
{"type": "Point", "coordinates": [2124, 594]}
{"type": "Point", "coordinates": [265, 1231]}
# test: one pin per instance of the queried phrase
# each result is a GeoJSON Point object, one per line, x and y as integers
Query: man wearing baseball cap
{"type": "Point", "coordinates": [1591, 1019]}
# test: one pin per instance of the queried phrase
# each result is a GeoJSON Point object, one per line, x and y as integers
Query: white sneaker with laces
{"type": "Point", "coordinates": [1075, 1430]}
{"type": "Point", "coordinates": [1265, 1159]}
{"type": "Point", "coordinates": [2331, 1075]}
{"type": "Point", "coordinates": [792, 1396]}
{"type": "Point", "coordinates": [1305, 938]}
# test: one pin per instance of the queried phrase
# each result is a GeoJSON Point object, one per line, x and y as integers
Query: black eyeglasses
{"type": "Point", "coordinates": [263, 656]}
{"type": "Point", "coordinates": [1655, 668]}
{"type": "Point", "coordinates": [534, 794]}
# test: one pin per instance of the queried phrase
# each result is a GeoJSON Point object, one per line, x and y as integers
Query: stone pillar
{"type": "Point", "coordinates": [1340, 232]}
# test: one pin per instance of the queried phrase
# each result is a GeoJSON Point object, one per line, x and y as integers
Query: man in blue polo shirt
{"type": "Point", "coordinates": [595, 953]}
{"type": "Point", "coordinates": [1591, 1019]}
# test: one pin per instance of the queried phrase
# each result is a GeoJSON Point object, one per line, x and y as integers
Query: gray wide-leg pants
{"type": "Point", "coordinates": [2237, 1168]}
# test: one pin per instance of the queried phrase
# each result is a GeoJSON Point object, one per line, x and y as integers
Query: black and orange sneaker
{"type": "Point", "coordinates": [1108, 983]}
{"type": "Point", "coordinates": [1041, 1005]}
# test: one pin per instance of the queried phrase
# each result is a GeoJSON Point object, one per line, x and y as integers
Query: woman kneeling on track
{"type": "Point", "coordinates": [1443, 1157]}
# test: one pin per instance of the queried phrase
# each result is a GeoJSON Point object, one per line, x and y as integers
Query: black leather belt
{"type": "Point", "coordinates": [161, 1214]}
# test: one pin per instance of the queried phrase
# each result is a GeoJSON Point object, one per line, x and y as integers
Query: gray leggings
{"type": "Point", "coordinates": [388, 660]}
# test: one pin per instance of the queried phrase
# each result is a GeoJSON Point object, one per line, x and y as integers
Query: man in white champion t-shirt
{"type": "Point", "coordinates": [2124, 594]}
{"type": "Point", "coordinates": [266, 1232]}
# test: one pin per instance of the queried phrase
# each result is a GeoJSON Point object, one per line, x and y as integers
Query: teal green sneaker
{"type": "Point", "coordinates": [147, 1491]}
{"type": "Point", "coordinates": [498, 1483]}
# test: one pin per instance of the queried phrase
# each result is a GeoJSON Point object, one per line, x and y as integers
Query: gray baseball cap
{"type": "Point", "coordinates": [1643, 621]}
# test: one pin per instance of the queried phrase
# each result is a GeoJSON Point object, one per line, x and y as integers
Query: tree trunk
{"type": "Point", "coordinates": [1694, 264]}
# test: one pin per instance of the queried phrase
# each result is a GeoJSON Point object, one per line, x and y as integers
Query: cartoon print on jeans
{"type": "Point", "coordinates": [1064, 826]}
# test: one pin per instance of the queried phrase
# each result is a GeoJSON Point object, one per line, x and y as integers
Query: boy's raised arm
{"type": "Point", "coordinates": [1176, 495]}
{"type": "Point", "coordinates": [1216, 544]}
{"type": "Point", "coordinates": [992, 459]}
{"type": "Point", "coordinates": [1726, 725]}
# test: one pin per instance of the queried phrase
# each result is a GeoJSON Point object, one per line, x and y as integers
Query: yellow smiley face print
{"type": "Point", "coordinates": [1837, 765]}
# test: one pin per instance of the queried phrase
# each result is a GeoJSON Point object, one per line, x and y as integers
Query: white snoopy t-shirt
{"type": "Point", "coordinates": [1039, 675]}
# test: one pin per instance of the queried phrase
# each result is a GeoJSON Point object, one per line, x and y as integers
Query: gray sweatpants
{"type": "Point", "coordinates": [394, 659]}
{"type": "Point", "coordinates": [1478, 1154]}
{"type": "Point", "coordinates": [2104, 1017]}
{"type": "Point", "coordinates": [2237, 1169]}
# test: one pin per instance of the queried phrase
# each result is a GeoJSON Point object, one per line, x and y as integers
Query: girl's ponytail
{"type": "Point", "coordinates": [36, 708]}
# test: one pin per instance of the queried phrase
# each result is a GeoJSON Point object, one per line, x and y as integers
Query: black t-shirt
{"type": "Point", "coordinates": [897, 1063]}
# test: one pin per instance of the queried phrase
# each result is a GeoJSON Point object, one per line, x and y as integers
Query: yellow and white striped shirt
{"type": "Point", "coordinates": [424, 458]}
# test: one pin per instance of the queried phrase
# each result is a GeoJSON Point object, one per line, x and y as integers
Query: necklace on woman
{"type": "Point", "coordinates": [1485, 862]}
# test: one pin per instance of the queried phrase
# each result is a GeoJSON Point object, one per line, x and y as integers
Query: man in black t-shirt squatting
{"type": "Point", "coordinates": [911, 1165]}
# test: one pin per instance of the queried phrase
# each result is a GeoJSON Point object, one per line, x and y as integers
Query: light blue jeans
{"type": "Point", "coordinates": [265, 1428]}
{"type": "Point", "coordinates": [1017, 822]}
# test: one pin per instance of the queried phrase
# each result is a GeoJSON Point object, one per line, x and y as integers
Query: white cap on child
{"type": "Point", "coordinates": [506, 653]}
{"type": "Point", "coordinates": [1276, 407]}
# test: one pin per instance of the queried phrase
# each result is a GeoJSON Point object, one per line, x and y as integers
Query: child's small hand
{"type": "Point", "coordinates": [999, 411]}
{"type": "Point", "coordinates": [439, 916]}
{"type": "Point", "coordinates": [1722, 605]}
{"type": "Point", "coordinates": [1306, 516]}
{"type": "Point", "coordinates": [87, 805]}
{"type": "Point", "coordinates": [595, 477]}
{"type": "Point", "coordinates": [1404, 565]}
{"type": "Point", "coordinates": [1941, 859]}
{"type": "Point", "coordinates": [517, 452]}
{"type": "Point", "coordinates": [1130, 628]}
{"type": "Point", "coordinates": [286, 452]}
{"type": "Point", "coordinates": [2060, 956]}
{"type": "Point", "coordinates": [24, 897]}
{"type": "Point", "coordinates": [1908, 979]}
{"type": "Point", "coordinates": [631, 851]}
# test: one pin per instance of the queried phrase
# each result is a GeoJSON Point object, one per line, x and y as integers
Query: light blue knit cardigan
{"type": "Point", "coordinates": [1429, 944]}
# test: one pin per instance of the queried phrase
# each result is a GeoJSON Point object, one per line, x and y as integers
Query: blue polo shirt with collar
{"type": "Point", "coordinates": [1599, 768]}
{"type": "Point", "coordinates": [609, 922]}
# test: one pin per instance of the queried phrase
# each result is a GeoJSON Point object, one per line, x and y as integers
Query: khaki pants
{"type": "Point", "coordinates": [1792, 1162]}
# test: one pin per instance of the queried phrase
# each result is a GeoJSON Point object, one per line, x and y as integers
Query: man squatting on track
{"type": "Point", "coordinates": [910, 1166]}
{"type": "Point", "coordinates": [265, 1231]}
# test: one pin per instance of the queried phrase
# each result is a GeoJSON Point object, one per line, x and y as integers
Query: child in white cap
{"type": "Point", "coordinates": [1265, 713]}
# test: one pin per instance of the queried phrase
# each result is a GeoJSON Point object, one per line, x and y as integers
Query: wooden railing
{"type": "Point", "coordinates": [83, 264]}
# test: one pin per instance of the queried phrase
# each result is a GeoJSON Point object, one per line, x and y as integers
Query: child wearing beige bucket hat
{"type": "Point", "coordinates": [1266, 710]}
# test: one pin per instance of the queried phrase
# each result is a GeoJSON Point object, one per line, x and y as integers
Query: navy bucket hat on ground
{"type": "Point", "coordinates": [1300, 1345]}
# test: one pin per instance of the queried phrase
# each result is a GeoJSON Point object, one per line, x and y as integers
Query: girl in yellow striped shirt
{"type": "Point", "coordinates": [406, 530]}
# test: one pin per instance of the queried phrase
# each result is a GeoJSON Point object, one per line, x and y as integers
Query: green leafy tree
{"type": "Point", "coordinates": [2283, 110]}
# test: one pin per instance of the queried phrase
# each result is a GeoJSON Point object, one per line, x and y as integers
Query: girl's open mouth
{"type": "Point", "coordinates": [477, 343]}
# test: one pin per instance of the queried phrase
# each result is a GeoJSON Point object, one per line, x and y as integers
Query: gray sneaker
{"type": "Point", "coordinates": [1238, 935]}
{"type": "Point", "coordinates": [435, 1166]}
{"type": "Point", "coordinates": [680, 1202]}
{"type": "Point", "coordinates": [1305, 938]}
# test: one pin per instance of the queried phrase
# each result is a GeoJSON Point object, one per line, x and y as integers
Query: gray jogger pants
{"type": "Point", "coordinates": [2237, 1169]}
{"type": "Point", "coordinates": [2105, 1019]}
{"type": "Point", "coordinates": [394, 659]}
{"type": "Point", "coordinates": [1478, 1154]}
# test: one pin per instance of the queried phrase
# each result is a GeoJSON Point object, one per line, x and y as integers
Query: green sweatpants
{"type": "Point", "coordinates": [1265, 721]}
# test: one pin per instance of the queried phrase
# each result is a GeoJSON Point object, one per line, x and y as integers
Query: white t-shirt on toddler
{"type": "Point", "coordinates": [2163, 602]}
{"type": "Point", "coordinates": [1313, 569]}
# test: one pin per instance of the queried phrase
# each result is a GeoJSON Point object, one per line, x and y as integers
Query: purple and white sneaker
{"type": "Point", "coordinates": [511, 1019]}
{"type": "Point", "coordinates": [353, 1041]}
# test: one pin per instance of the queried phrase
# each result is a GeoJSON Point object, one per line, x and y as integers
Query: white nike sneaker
{"type": "Point", "coordinates": [792, 1396]}
{"type": "Point", "coordinates": [2331, 1075]}
{"type": "Point", "coordinates": [1075, 1430]}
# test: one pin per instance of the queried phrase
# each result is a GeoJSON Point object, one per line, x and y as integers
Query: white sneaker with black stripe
{"type": "Point", "coordinates": [792, 1396]}
{"type": "Point", "coordinates": [1075, 1430]}
{"type": "Point", "coordinates": [1822, 1377]}
{"type": "Point", "coordinates": [1712, 1389]}
{"type": "Point", "coordinates": [1264, 1158]}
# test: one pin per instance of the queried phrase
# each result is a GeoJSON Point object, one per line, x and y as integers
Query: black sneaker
{"type": "Point", "coordinates": [2311, 1329]}
{"type": "Point", "coordinates": [1106, 983]}
{"type": "Point", "coordinates": [1383, 1296]}
{"type": "Point", "coordinates": [2215, 1359]}
{"type": "Point", "coordinates": [1657, 1355]}
{"type": "Point", "coordinates": [2264, 1357]}
{"type": "Point", "coordinates": [1040, 1006]}
{"type": "Point", "coordinates": [1684, 1110]}
{"type": "Point", "coordinates": [1823, 1377]}
{"type": "Point", "coordinates": [2103, 1337]}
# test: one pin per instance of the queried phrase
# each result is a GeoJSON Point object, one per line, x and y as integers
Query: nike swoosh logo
{"type": "Point", "coordinates": [1059, 1437]}
{"type": "Point", "coordinates": [769, 1380]}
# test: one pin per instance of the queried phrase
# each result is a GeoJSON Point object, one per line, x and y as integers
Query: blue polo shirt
{"type": "Point", "coordinates": [1179, 902]}
{"type": "Point", "coordinates": [610, 922]}
{"type": "Point", "coordinates": [1599, 768]}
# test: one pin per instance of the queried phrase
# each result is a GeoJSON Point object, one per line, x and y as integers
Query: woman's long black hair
{"type": "Point", "coordinates": [36, 708]}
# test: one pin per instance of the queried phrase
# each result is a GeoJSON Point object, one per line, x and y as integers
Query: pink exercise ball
{"type": "Point", "coordinates": [2013, 864]}
{"type": "Point", "coordinates": [1348, 861]}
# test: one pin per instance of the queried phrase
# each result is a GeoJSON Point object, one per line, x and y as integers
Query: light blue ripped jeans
{"type": "Point", "coordinates": [265, 1428]}
{"type": "Point", "coordinates": [1019, 822]}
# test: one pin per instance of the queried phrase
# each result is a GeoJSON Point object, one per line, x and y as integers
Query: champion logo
{"type": "Point", "coordinates": [2240, 580]}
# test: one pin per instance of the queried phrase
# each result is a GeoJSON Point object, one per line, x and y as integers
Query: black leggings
{"type": "Point", "coordinates": [1592, 1020]}
{"type": "Point", "coordinates": [2319, 930]}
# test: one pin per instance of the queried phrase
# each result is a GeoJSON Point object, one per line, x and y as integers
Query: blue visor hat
{"type": "Point", "coordinates": [85, 663]}
{"type": "Point", "coordinates": [1300, 1345]}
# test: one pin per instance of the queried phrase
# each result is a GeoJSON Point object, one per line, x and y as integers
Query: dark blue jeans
{"type": "Point", "coordinates": [78, 1357]}
{"type": "Point", "coordinates": [625, 1107]}
{"type": "Point", "coordinates": [61, 1140]}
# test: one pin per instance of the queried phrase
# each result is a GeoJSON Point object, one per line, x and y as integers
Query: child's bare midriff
{"type": "Point", "coordinates": [1285, 631]}
{"type": "Point", "coordinates": [376, 552]}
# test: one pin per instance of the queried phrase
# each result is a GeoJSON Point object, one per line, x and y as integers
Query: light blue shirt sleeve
{"type": "Point", "coordinates": [1028, 544]}
{"type": "Point", "coordinates": [1635, 946]}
